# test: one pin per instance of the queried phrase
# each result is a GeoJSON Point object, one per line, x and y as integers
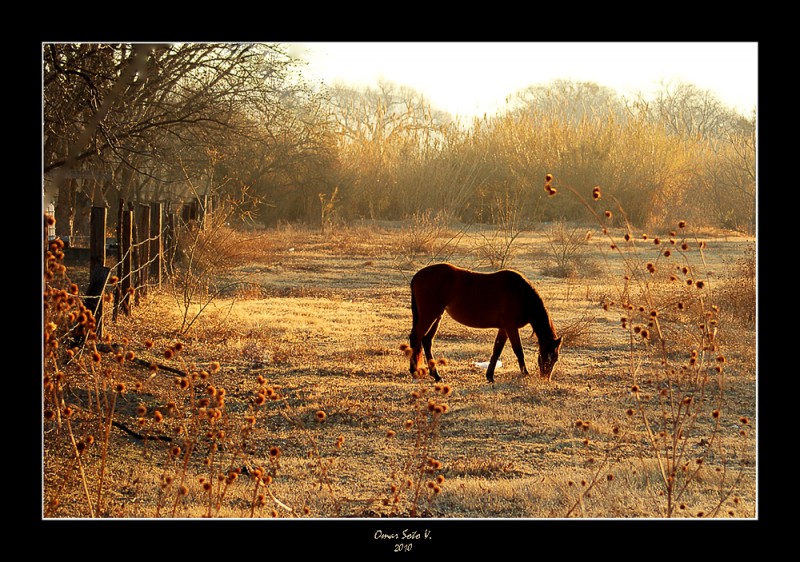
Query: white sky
{"type": "Point", "coordinates": [473, 78]}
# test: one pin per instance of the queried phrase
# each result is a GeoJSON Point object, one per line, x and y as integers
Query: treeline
{"type": "Point", "coordinates": [169, 122]}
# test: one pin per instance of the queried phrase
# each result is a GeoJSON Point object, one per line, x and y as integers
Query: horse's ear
{"type": "Point", "coordinates": [558, 342]}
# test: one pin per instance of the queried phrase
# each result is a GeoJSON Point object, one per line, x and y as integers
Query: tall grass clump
{"type": "Point", "coordinates": [738, 291]}
{"type": "Point", "coordinates": [497, 246]}
{"type": "Point", "coordinates": [566, 247]}
{"type": "Point", "coordinates": [676, 372]}
{"type": "Point", "coordinates": [421, 234]}
{"type": "Point", "coordinates": [208, 259]}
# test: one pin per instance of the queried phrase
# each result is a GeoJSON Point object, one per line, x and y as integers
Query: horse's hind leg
{"type": "Point", "coordinates": [516, 345]}
{"type": "Point", "coordinates": [420, 341]}
{"type": "Point", "coordinates": [499, 342]}
{"type": "Point", "coordinates": [427, 342]}
{"type": "Point", "coordinates": [415, 353]}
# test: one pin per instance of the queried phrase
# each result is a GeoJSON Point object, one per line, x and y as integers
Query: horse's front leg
{"type": "Point", "coordinates": [516, 345]}
{"type": "Point", "coordinates": [499, 342]}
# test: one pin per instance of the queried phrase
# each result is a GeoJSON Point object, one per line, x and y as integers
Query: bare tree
{"type": "Point", "coordinates": [568, 101]}
{"type": "Point", "coordinates": [142, 115]}
{"type": "Point", "coordinates": [692, 112]}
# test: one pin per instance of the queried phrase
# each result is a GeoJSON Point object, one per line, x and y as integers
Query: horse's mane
{"type": "Point", "coordinates": [540, 317]}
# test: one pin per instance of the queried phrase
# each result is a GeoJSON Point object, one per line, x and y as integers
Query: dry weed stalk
{"type": "Point", "coordinates": [678, 398]}
{"type": "Point", "coordinates": [418, 481]}
{"type": "Point", "coordinates": [195, 427]}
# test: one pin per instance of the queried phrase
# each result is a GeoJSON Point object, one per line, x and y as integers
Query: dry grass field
{"type": "Point", "coordinates": [290, 397]}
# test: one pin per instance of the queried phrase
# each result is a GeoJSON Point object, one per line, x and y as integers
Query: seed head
{"type": "Point", "coordinates": [320, 415]}
{"type": "Point", "coordinates": [596, 192]}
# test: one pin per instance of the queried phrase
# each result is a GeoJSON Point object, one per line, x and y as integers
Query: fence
{"type": "Point", "coordinates": [144, 249]}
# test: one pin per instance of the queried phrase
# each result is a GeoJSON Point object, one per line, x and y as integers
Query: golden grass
{"type": "Point", "coordinates": [322, 331]}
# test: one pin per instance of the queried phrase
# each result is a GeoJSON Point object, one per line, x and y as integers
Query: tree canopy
{"type": "Point", "coordinates": [168, 122]}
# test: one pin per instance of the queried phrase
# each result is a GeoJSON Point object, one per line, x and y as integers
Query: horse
{"type": "Point", "coordinates": [504, 300]}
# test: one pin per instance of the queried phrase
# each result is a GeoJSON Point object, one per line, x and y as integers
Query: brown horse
{"type": "Point", "coordinates": [504, 300]}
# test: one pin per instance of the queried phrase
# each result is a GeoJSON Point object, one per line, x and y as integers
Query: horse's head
{"type": "Point", "coordinates": [548, 355]}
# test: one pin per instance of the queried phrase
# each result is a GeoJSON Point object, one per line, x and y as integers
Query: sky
{"type": "Point", "coordinates": [472, 78]}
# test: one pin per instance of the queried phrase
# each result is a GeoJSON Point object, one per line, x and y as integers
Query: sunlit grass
{"type": "Point", "coordinates": [322, 330]}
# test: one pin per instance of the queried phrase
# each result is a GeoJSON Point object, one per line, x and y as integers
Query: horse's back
{"type": "Point", "coordinates": [436, 270]}
{"type": "Point", "coordinates": [434, 283]}
{"type": "Point", "coordinates": [469, 283]}
{"type": "Point", "coordinates": [480, 300]}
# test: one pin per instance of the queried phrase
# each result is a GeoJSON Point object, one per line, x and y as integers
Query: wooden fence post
{"type": "Point", "coordinates": [186, 213]}
{"type": "Point", "coordinates": [94, 295]}
{"type": "Point", "coordinates": [118, 285]}
{"type": "Point", "coordinates": [156, 243]}
{"type": "Point", "coordinates": [126, 251]}
{"type": "Point", "coordinates": [97, 239]}
{"type": "Point", "coordinates": [98, 272]}
{"type": "Point", "coordinates": [142, 276]}
{"type": "Point", "coordinates": [169, 241]}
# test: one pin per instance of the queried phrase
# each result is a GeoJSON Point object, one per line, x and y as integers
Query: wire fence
{"type": "Point", "coordinates": [136, 261]}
